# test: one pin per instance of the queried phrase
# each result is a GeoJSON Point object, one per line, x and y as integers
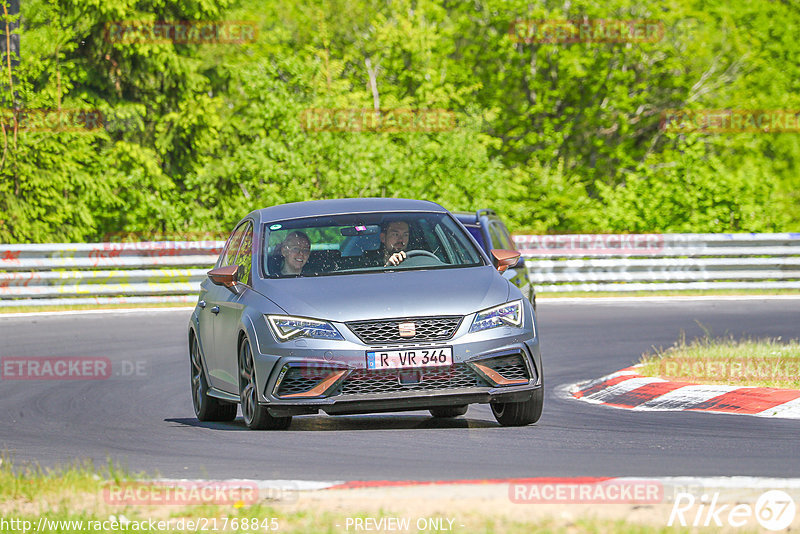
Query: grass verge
{"type": "Point", "coordinates": [75, 499]}
{"type": "Point", "coordinates": [770, 362]}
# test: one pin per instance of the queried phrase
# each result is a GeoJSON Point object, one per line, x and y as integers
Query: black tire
{"type": "Point", "coordinates": [519, 413]}
{"type": "Point", "coordinates": [449, 411]}
{"type": "Point", "coordinates": [206, 408]}
{"type": "Point", "coordinates": [256, 416]}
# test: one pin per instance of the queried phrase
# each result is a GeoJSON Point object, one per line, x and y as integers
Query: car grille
{"type": "Point", "coordinates": [509, 367]}
{"type": "Point", "coordinates": [363, 381]}
{"type": "Point", "coordinates": [300, 380]}
{"type": "Point", "coordinates": [426, 329]}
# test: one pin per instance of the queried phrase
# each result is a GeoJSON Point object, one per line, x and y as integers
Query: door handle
{"type": "Point", "coordinates": [215, 310]}
{"type": "Point", "coordinates": [202, 304]}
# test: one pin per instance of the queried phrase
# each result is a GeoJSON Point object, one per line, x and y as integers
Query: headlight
{"type": "Point", "coordinates": [287, 327]}
{"type": "Point", "coordinates": [508, 314]}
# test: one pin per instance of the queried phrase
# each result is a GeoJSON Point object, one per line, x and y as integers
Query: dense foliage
{"type": "Point", "coordinates": [558, 137]}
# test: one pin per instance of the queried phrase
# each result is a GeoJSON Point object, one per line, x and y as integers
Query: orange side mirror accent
{"type": "Point", "coordinates": [505, 258]}
{"type": "Point", "coordinates": [225, 276]}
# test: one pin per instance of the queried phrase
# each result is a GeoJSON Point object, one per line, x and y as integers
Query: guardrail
{"type": "Point", "coordinates": [171, 271]}
{"type": "Point", "coordinates": [656, 262]}
{"type": "Point", "coordinates": [101, 273]}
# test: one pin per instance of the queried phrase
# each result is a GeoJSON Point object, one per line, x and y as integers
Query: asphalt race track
{"type": "Point", "coordinates": [141, 417]}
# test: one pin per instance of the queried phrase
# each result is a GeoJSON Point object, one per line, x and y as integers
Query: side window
{"type": "Point", "coordinates": [500, 237]}
{"type": "Point", "coordinates": [245, 256]}
{"type": "Point", "coordinates": [476, 233]}
{"type": "Point", "coordinates": [229, 254]}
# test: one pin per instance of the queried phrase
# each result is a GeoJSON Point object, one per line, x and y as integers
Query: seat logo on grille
{"type": "Point", "coordinates": [407, 329]}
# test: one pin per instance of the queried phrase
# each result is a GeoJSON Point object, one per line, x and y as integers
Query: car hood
{"type": "Point", "coordinates": [356, 297]}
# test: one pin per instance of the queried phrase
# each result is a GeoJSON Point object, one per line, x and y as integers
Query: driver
{"type": "Point", "coordinates": [394, 241]}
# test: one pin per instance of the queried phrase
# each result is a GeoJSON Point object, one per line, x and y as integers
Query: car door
{"type": "Point", "coordinates": [231, 306]}
{"type": "Point", "coordinates": [214, 298]}
{"type": "Point", "coordinates": [518, 275]}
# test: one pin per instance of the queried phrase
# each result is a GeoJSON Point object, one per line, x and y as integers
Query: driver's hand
{"type": "Point", "coordinates": [396, 259]}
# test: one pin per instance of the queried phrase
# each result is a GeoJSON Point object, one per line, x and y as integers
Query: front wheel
{"type": "Point", "coordinates": [206, 408]}
{"type": "Point", "coordinates": [255, 415]}
{"type": "Point", "coordinates": [520, 413]}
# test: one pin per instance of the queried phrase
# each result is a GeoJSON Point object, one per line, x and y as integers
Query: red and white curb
{"type": "Point", "coordinates": [628, 389]}
{"type": "Point", "coordinates": [721, 482]}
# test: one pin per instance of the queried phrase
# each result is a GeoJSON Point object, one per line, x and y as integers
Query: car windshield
{"type": "Point", "coordinates": [359, 243]}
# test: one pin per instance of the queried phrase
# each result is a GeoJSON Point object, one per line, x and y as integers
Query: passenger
{"type": "Point", "coordinates": [295, 250]}
{"type": "Point", "coordinates": [394, 241]}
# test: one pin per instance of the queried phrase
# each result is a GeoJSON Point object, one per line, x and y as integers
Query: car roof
{"type": "Point", "coordinates": [473, 217]}
{"type": "Point", "coordinates": [314, 208]}
{"type": "Point", "coordinates": [466, 217]}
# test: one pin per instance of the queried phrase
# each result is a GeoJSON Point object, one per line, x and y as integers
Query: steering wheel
{"type": "Point", "coordinates": [412, 253]}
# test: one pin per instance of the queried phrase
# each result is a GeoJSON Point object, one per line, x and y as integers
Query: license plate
{"type": "Point", "coordinates": [411, 357]}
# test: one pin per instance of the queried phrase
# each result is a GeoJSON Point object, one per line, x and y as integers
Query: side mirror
{"type": "Point", "coordinates": [227, 276]}
{"type": "Point", "coordinates": [505, 258]}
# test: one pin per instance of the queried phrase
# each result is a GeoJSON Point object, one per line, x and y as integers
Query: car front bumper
{"type": "Point", "coordinates": [398, 402]}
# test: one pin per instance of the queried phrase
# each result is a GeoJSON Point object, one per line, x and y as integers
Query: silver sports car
{"type": "Point", "coordinates": [360, 306]}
